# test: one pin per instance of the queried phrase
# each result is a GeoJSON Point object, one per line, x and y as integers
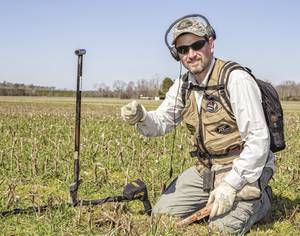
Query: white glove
{"type": "Point", "coordinates": [222, 198]}
{"type": "Point", "coordinates": [133, 113]}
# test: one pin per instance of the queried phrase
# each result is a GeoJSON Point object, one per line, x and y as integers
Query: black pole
{"type": "Point", "coordinates": [74, 186]}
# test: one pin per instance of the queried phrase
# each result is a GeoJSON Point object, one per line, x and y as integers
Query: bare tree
{"type": "Point", "coordinates": [104, 90]}
{"type": "Point", "coordinates": [288, 90]}
{"type": "Point", "coordinates": [129, 92]}
{"type": "Point", "coordinates": [119, 87]}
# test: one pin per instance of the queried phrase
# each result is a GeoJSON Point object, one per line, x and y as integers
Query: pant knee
{"type": "Point", "coordinates": [221, 227]}
{"type": "Point", "coordinates": [239, 220]}
{"type": "Point", "coordinates": [172, 210]}
{"type": "Point", "coordinates": [228, 223]}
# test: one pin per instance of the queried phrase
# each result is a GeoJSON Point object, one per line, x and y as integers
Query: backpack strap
{"type": "Point", "coordinates": [227, 68]}
{"type": "Point", "coordinates": [205, 88]}
{"type": "Point", "coordinates": [188, 87]}
{"type": "Point", "coordinates": [184, 87]}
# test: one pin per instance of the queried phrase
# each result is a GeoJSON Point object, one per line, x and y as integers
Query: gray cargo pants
{"type": "Point", "coordinates": [185, 195]}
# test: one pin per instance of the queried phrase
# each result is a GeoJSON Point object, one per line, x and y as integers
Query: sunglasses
{"type": "Point", "coordinates": [184, 49]}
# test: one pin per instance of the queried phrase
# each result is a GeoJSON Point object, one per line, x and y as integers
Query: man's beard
{"type": "Point", "coordinates": [200, 66]}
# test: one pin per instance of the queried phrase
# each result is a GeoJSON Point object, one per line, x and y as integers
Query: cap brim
{"type": "Point", "coordinates": [188, 32]}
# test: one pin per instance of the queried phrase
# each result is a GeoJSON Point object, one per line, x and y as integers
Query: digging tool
{"type": "Point", "coordinates": [198, 215]}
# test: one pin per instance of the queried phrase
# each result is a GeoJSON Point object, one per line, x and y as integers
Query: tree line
{"type": "Point", "coordinates": [289, 90]}
{"type": "Point", "coordinates": [155, 87]}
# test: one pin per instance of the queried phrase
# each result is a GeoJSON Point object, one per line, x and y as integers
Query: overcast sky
{"type": "Point", "coordinates": [125, 39]}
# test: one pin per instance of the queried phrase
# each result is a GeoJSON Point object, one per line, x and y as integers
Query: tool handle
{"type": "Point", "coordinates": [198, 215]}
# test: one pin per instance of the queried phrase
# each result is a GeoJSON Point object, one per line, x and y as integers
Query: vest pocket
{"type": "Point", "coordinates": [220, 132]}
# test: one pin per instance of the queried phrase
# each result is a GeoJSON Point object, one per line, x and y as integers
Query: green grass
{"type": "Point", "coordinates": [36, 168]}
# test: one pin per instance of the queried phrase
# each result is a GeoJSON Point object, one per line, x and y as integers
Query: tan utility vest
{"type": "Point", "coordinates": [214, 124]}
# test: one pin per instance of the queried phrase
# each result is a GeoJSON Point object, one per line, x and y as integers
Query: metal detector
{"type": "Point", "coordinates": [132, 191]}
{"type": "Point", "coordinates": [136, 190]}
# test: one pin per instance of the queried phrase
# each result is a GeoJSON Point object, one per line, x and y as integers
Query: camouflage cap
{"type": "Point", "coordinates": [189, 25]}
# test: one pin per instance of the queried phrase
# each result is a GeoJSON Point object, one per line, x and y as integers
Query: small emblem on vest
{"type": "Point", "coordinates": [223, 129]}
{"type": "Point", "coordinates": [211, 106]}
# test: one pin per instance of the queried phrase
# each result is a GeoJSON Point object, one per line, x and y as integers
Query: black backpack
{"type": "Point", "coordinates": [270, 102]}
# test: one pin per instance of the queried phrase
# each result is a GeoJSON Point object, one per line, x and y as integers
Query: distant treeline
{"type": "Point", "coordinates": [120, 89]}
{"type": "Point", "coordinates": [288, 90]}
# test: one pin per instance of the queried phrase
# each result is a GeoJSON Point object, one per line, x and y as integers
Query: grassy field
{"type": "Point", "coordinates": [36, 168]}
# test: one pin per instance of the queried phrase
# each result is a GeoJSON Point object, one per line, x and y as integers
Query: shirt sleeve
{"type": "Point", "coordinates": [245, 99]}
{"type": "Point", "coordinates": [166, 116]}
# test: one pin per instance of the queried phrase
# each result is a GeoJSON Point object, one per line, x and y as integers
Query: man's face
{"type": "Point", "coordinates": [198, 56]}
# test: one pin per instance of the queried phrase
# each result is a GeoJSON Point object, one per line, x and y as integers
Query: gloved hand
{"type": "Point", "coordinates": [133, 113]}
{"type": "Point", "coordinates": [222, 198]}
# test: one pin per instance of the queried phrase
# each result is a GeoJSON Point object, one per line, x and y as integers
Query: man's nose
{"type": "Point", "coordinates": [191, 53]}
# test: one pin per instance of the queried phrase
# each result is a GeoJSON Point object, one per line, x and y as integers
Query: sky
{"type": "Point", "coordinates": [124, 40]}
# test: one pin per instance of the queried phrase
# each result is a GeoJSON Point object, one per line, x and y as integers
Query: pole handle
{"type": "Point", "coordinates": [80, 52]}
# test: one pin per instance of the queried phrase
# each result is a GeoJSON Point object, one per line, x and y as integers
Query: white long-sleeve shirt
{"type": "Point", "coordinates": [245, 99]}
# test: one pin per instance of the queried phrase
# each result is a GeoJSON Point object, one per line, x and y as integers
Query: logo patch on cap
{"type": "Point", "coordinates": [190, 25]}
{"type": "Point", "coordinates": [184, 24]}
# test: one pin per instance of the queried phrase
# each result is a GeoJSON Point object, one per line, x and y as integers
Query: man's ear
{"type": "Point", "coordinates": [211, 42]}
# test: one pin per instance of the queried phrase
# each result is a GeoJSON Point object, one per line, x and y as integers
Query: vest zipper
{"type": "Point", "coordinates": [200, 122]}
{"type": "Point", "coordinates": [200, 136]}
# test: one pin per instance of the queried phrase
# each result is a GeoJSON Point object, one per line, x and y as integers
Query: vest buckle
{"type": "Point", "coordinates": [199, 154]}
{"type": "Point", "coordinates": [221, 88]}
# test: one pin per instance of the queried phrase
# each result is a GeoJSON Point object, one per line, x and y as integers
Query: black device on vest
{"type": "Point", "coordinates": [211, 32]}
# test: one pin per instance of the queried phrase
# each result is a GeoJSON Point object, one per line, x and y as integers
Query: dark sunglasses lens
{"type": "Point", "coordinates": [195, 46]}
{"type": "Point", "coordinates": [198, 45]}
{"type": "Point", "coordinates": [183, 49]}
